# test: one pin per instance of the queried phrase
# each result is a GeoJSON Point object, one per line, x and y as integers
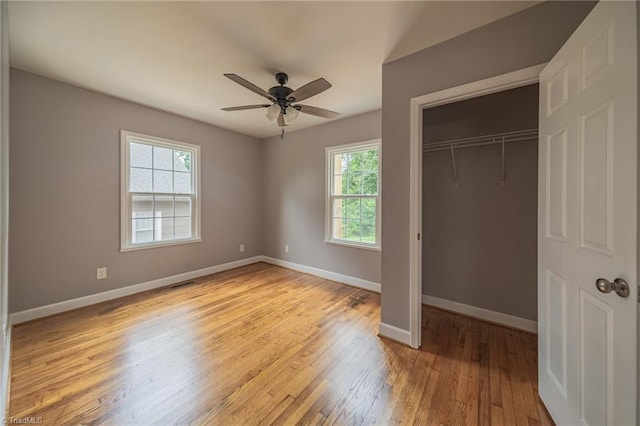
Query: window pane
{"type": "Point", "coordinates": [368, 208]}
{"type": "Point", "coordinates": [163, 206]}
{"type": "Point", "coordinates": [162, 158]}
{"type": "Point", "coordinates": [355, 184]}
{"type": "Point", "coordinates": [164, 228]}
{"type": "Point", "coordinates": [140, 180]}
{"type": "Point", "coordinates": [162, 181]}
{"type": "Point", "coordinates": [141, 230]}
{"type": "Point", "coordinates": [140, 155]}
{"type": "Point", "coordinates": [183, 206]}
{"type": "Point", "coordinates": [339, 226]}
{"type": "Point", "coordinates": [339, 164]}
{"type": "Point", "coordinates": [182, 161]}
{"type": "Point", "coordinates": [339, 207]}
{"type": "Point", "coordinates": [338, 184]}
{"type": "Point", "coordinates": [183, 227]}
{"type": "Point", "coordinates": [353, 230]}
{"type": "Point", "coordinates": [355, 162]}
{"type": "Point", "coordinates": [370, 184]}
{"type": "Point", "coordinates": [369, 231]}
{"type": "Point", "coordinates": [182, 182]}
{"type": "Point", "coordinates": [353, 208]}
{"type": "Point", "coordinates": [345, 184]}
{"type": "Point", "coordinates": [142, 223]}
{"type": "Point", "coordinates": [142, 206]}
{"type": "Point", "coordinates": [370, 161]}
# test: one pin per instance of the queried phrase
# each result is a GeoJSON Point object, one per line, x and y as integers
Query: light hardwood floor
{"type": "Point", "coordinates": [263, 344]}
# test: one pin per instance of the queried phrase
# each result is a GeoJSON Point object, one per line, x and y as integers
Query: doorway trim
{"type": "Point", "coordinates": [522, 77]}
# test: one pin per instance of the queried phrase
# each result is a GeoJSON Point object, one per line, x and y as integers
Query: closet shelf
{"type": "Point", "coordinates": [498, 138]}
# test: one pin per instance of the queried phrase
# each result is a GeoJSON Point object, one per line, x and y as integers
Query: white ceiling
{"type": "Point", "coordinates": [171, 55]}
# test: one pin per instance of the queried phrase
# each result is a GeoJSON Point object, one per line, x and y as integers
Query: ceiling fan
{"type": "Point", "coordinates": [282, 110]}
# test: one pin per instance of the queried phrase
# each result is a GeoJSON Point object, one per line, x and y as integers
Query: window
{"type": "Point", "coordinates": [353, 195]}
{"type": "Point", "coordinates": [160, 183]}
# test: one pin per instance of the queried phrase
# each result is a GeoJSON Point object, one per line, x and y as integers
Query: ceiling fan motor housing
{"type": "Point", "coordinates": [281, 93]}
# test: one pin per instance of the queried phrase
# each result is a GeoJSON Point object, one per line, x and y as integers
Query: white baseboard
{"type": "Point", "coordinates": [67, 305]}
{"type": "Point", "coordinates": [394, 333]}
{"type": "Point", "coordinates": [483, 314]}
{"type": "Point", "coordinates": [5, 376]}
{"type": "Point", "coordinates": [333, 276]}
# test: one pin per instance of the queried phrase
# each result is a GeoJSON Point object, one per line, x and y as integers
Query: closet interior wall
{"type": "Point", "coordinates": [480, 237]}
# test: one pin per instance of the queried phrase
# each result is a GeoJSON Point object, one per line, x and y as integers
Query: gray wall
{"type": "Point", "coordinates": [480, 239]}
{"type": "Point", "coordinates": [527, 38]}
{"type": "Point", "coordinates": [65, 193]}
{"type": "Point", "coordinates": [294, 197]}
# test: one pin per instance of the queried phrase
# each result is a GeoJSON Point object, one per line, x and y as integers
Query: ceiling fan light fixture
{"type": "Point", "coordinates": [290, 115]}
{"type": "Point", "coordinates": [272, 112]}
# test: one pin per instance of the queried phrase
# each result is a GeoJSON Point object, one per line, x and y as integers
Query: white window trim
{"type": "Point", "coordinates": [341, 149]}
{"type": "Point", "coordinates": [125, 207]}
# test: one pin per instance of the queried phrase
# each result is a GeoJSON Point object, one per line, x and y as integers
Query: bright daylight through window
{"type": "Point", "coordinates": [353, 202]}
{"type": "Point", "coordinates": [160, 184]}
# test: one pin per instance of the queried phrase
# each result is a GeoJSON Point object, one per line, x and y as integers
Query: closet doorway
{"type": "Point", "coordinates": [500, 83]}
{"type": "Point", "coordinates": [479, 207]}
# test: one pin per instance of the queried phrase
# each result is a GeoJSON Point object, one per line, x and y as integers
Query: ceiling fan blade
{"type": "Point", "coordinates": [248, 85]}
{"type": "Point", "coordinates": [310, 89]}
{"type": "Point", "coordinates": [281, 122]}
{"type": "Point", "coordinates": [320, 112]}
{"type": "Point", "coordinates": [239, 108]}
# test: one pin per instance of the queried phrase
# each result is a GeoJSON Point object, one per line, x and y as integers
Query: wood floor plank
{"type": "Point", "coordinates": [494, 369]}
{"type": "Point", "coordinates": [496, 415]}
{"type": "Point", "coordinates": [266, 345]}
{"type": "Point", "coordinates": [508, 412]}
{"type": "Point", "coordinates": [484, 395]}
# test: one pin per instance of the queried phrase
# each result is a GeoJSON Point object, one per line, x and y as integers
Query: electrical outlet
{"type": "Point", "coordinates": [101, 273]}
{"type": "Point", "coordinates": [286, 248]}
{"type": "Point", "coordinates": [241, 248]}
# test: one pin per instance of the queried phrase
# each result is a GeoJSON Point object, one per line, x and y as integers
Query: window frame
{"type": "Point", "coordinates": [329, 197]}
{"type": "Point", "coordinates": [127, 137]}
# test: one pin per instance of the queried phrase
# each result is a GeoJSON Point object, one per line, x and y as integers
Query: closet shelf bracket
{"type": "Point", "coordinates": [453, 163]}
{"type": "Point", "coordinates": [502, 174]}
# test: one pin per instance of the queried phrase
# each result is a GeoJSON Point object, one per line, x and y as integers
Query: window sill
{"type": "Point", "coordinates": [157, 245]}
{"type": "Point", "coordinates": [354, 245]}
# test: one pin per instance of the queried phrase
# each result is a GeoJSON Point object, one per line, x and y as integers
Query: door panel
{"type": "Point", "coordinates": [596, 347]}
{"type": "Point", "coordinates": [556, 356]}
{"type": "Point", "coordinates": [596, 180]}
{"type": "Point", "coordinates": [557, 90]}
{"type": "Point", "coordinates": [597, 56]}
{"type": "Point", "coordinates": [556, 170]}
{"type": "Point", "coordinates": [587, 221]}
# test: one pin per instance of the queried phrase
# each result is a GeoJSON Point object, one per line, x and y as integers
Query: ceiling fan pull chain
{"type": "Point", "coordinates": [282, 135]}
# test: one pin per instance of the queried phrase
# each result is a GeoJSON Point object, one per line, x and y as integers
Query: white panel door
{"type": "Point", "coordinates": [587, 204]}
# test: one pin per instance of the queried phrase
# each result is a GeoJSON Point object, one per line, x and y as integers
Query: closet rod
{"type": "Point", "coordinates": [498, 138]}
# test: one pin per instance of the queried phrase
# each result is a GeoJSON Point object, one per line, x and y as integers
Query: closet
{"type": "Point", "coordinates": [480, 173]}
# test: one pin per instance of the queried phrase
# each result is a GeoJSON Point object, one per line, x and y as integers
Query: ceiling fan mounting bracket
{"type": "Point", "coordinates": [282, 78]}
